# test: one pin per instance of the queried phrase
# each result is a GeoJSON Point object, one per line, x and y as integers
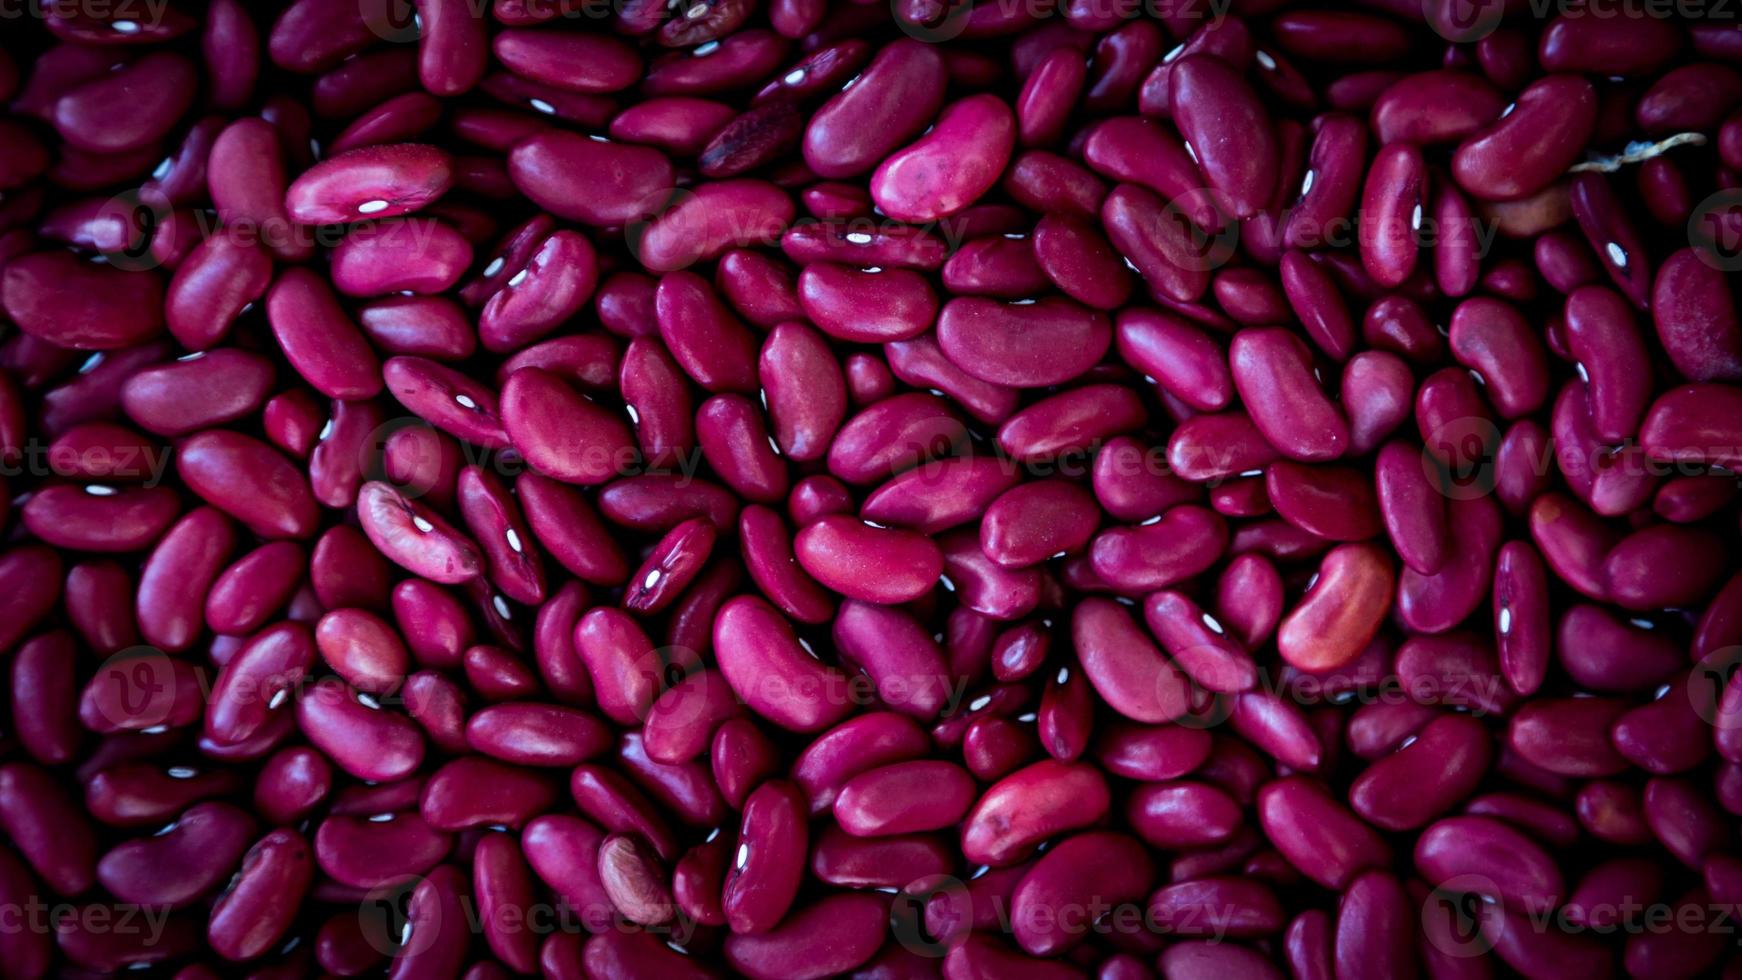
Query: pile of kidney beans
{"type": "Point", "coordinates": [614, 488]}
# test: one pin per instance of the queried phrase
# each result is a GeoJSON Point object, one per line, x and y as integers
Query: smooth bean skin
{"type": "Point", "coordinates": [595, 183]}
{"type": "Point", "coordinates": [1435, 107]}
{"type": "Point", "coordinates": [1404, 791]}
{"type": "Point", "coordinates": [83, 305]}
{"type": "Point", "coordinates": [1695, 319]}
{"type": "Point", "coordinates": [1126, 669]}
{"type": "Point", "coordinates": [970, 143]}
{"type": "Point", "coordinates": [860, 126]}
{"type": "Point", "coordinates": [1275, 382]}
{"type": "Point", "coordinates": [772, 838]}
{"type": "Point", "coordinates": [1034, 803]}
{"type": "Point", "coordinates": [906, 797]}
{"type": "Point", "coordinates": [1019, 345]}
{"type": "Point", "coordinates": [1516, 868]}
{"type": "Point", "coordinates": [773, 675]}
{"type": "Point", "coordinates": [54, 838]}
{"type": "Point", "coordinates": [255, 912]}
{"type": "Point", "coordinates": [833, 936]}
{"type": "Point", "coordinates": [863, 562]}
{"type": "Point", "coordinates": [1222, 121]}
{"type": "Point", "coordinates": [1107, 866]}
{"type": "Point", "coordinates": [1520, 153]}
{"type": "Point", "coordinates": [1316, 834]}
{"type": "Point", "coordinates": [1341, 612]}
{"type": "Point", "coordinates": [1184, 542]}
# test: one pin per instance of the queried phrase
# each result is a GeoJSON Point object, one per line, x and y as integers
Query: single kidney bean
{"type": "Point", "coordinates": [1694, 312]}
{"type": "Point", "coordinates": [1030, 805]}
{"type": "Point", "coordinates": [1525, 149]}
{"type": "Point", "coordinates": [67, 301]}
{"type": "Point", "coordinates": [765, 876]}
{"type": "Point", "coordinates": [45, 825]}
{"type": "Point", "coordinates": [1227, 128]}
{"type": "Point", "coordinates": [1275, 380]}
{"type": "Point", "coordinates": [841, 552]}
{"type": "Point", "coordinates": [1316, 834]}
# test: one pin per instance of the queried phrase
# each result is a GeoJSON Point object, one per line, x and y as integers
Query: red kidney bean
{"type": "Point", "coordinates": [866, 305]}
{"type": "Point", "coordinates": [46, 827]}
{"type": "Point", "coordinates": [1029, 806]}
{"type": "Point", "coordinates": [1029, 524]}
{"type": "Point", "coordinates": [1391, 203]}
{"type": "Point", "coordinates": [175, 578]}
{"type": "Point", "coordinates": [1486, 856]}
{"type": "Point", "coordinates": [415, 537]}
{"type": "Point", "coordinates": [1173, 260]}
{"type": "Point", "coordinates": [1198, 643]}
{"type": "Point", "coordinates": [1227, 128]}
{"type": "Point", "coordinates": [624, 665]}
{"type": "Point", "coordinates": [1316, 834]}
{"type": "Point", "coordinates": [772, 673]}
{"type": "Point", "coordinates": [1070, 423]}
{"type": "Point", "coordinates": [900, 657]}
{"type": "Point", "coordinates": [1017, 344]}
{"type": "Point", "coordinates": [97, 517]}
{"type": "Point", "coordinates": [896, 96]}
{"type": "Point", "coordinates": [718, 216]}
{"type": "Point", "coordinates": [1312, 293]}
{"type": "Point", "coordinates": [361, 737]}
{"type": "Point", "coordinates": [471, 792]}
{"type": "Point", "coordinates": [1695, 316]}
{"type": "Point", "coordinates": [904, 798]}
{"type": "Point", "coordinates": [860, 561]}
{"type": "Point", "coordinates": [1440, 765]}
{"type": "Point", "coordinates": [1528, 147]}
{"type": "Point", "coordinates": [45, 697]}
{"type": "Point", "coordinates": [562, 433]}
{"type": "Point", "coordinates": [180, 863]}
{"type": "Point", "coordinates": [213, 286]}
{"type": "Point", "coordinates": [1181, 357]}
{"type": "Point", "coordinates": [769, 865]}
{"type": "Point", "coordinates": [735, 442]}
{"type": "Point", "coordinates": [1183, 542]}
{"type": "Point", "coordinates": [1341, 611]}
{"type": "Point", "coordinates": [1435, 107]}
{"type": "Point", "coordinates": [712, 347]}
{"type": "Point", "coordinates": [1275, 380]}
{"type": "Point", "coordinates": [372, 182]}
{"type": "Point", "coordinates": [593, 182]}
{"type": "Point", "coordinates": [69, 302]}
{"type": "Point", "coordinates": [563, 852]}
